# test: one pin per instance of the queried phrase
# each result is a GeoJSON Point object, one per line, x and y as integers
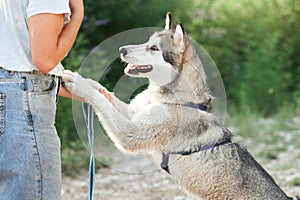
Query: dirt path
{"type": "Point", "coordinates": [115, 185]}
{"type": "Point", "coordinates": [133, 183]}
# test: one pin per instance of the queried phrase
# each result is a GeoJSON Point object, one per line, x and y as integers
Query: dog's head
{"type": "Point", "coordinates": [159, 59]}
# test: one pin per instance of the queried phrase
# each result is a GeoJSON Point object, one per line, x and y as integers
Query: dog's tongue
{"type": "Point", "coordinates": [135, 69]}
{"type": "Point", "coordinates": [130, 68]}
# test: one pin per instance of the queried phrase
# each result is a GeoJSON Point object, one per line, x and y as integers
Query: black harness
{"type": "Point", "coordinates": [165, 156]}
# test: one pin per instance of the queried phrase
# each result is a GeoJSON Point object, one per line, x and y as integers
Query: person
{"type": "Point", "coordinates": [35, 36]}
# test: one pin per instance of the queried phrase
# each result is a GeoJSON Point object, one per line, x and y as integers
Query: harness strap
{"type": "Point", "coordinates": [165, 162]}
{"type": "Point", "coordinates": [200, 106]}
{"type": "Point", "coordinates": [165, 156]}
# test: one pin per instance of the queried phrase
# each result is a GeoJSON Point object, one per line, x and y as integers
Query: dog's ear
{"type": "Point", "coordinates": [179, 36]}
{"type": "Point", "coordinates": [168, 25]}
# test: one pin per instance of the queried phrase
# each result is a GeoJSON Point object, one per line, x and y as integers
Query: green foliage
{"type": "Point", "coordinates": [268, 139]}
{"type": "Point", "coordinates": [75, 159]}
{"type": "Point", "coordinates": [255, 44]}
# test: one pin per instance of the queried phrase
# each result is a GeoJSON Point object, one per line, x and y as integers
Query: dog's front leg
{"type": "Point", "coordinates": [124, 134]}
{"type": "Point", "coordinates": [120, 105]}
{"type": "Point", "coordinates": [118, 126]}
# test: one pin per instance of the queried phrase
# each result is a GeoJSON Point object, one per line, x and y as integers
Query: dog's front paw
{"type": "Point", "coordinates": [70, 80]}
{"type": "Point", "coordinates": [69, 76]}
{"type": "Point", "coordinates": [76, 84]}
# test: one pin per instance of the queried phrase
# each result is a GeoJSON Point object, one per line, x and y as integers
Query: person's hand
{"type": "Point", "coordinates": [77, 8]}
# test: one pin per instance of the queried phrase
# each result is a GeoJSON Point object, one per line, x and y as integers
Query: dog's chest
{"type": "Point", "coordinates": [140, 102]}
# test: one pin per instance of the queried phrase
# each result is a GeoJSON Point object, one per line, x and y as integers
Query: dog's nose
{"type": "Point", "coordinates": [123, 51]}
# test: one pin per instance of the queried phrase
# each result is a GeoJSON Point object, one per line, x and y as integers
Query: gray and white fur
{"type": "Point", "coordinates": [157, 121]}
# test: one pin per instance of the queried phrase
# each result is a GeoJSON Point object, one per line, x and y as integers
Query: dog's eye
{"type": "Point", "coordinates": [154, 48]}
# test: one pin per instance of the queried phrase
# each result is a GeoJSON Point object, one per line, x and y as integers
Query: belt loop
{"type": "Point", "coordinates": [11, 73]}
{"type": "Point", "coordinates": [28, 84]}
{"type": "Point", "coordinates": [58, 87]}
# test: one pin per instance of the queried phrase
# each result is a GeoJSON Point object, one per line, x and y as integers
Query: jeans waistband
{"type": "Point", "coordinates": [34, 72]}
{"type": "Point", "coordinates": [34, 81]}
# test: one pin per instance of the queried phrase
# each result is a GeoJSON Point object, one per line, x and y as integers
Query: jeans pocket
{"type": "Point", "coordinates": [43, 86]}
{"type": "Point", "coordinates": [2, 113]}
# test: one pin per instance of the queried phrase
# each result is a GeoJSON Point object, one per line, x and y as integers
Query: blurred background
{"type": "Point", "coordinates": [255, 45]}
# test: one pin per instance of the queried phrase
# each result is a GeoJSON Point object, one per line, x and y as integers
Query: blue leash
{"type": "Point", "coordinates": [89, 118]}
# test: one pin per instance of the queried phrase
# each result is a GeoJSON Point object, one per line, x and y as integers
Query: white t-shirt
{"type": "Point", "coordinates": [14, 36]}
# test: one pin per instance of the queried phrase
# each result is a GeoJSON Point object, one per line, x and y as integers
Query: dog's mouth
{"type": "Point", "coordinates": [136, 69]}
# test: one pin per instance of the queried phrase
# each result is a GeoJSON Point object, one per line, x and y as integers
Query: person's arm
{"type": "Point", "coordinates": [50, 40]}
{"type": "Point", "coordinates": [66, 93]}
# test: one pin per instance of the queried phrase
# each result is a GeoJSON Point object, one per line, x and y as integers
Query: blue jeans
{"type": "Point", "coordinates": [30, 161]}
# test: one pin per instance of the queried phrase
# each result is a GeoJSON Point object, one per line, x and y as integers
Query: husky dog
{"type": "Point", "coordinates": [171, 117]}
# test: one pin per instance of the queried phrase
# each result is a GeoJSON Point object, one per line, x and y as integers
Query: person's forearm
{"type": "Point", "coordinates": [68, 36]}
{"type": "Point", "coordinates": [66, 93]}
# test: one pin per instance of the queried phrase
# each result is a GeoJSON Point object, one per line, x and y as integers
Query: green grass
{"type": "Point", "coordinates": [274, 134]}
{"type": "Point", "coordinates": [75, 158]}
{"type": "Point", "coordinates": [295, 181]}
